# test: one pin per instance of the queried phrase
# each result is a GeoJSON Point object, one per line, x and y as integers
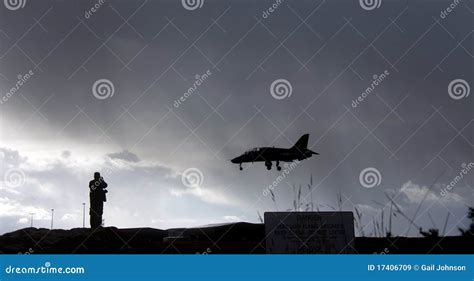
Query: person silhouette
{"type": "Point", "coordinates": [97, 191]}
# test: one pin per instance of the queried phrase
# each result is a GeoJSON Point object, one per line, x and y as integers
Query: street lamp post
{"type": "Point", "coordinates": [52, 218]}
{"type": "Point", "coordinates": [83, 215]}
{"type": "Point", "coordinates": [31, 219]}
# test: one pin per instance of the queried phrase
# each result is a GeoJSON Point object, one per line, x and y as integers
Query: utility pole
{"type": "Point", "coordinates": [83, 215]}
{"type": "Point", "coordinates": [52, 218]}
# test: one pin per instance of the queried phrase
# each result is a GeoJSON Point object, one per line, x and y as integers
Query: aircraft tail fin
{"type": "Point", "coordinates": [302, 143]}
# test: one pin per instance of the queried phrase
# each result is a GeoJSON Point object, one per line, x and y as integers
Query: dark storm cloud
{"type": "Point", "coordinates": [124, 155]}
{"type": "Point", "coordinates": [219, 62]}
{"type": "Point", "coordinates": [66, 154]}
{"type": "Point", "coordinates": [11, 157]}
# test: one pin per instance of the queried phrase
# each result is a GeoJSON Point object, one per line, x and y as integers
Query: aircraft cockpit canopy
{"type": "Point", "coordinates": [252, 150]}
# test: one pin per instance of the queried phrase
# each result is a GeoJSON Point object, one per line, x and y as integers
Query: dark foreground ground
{"type": "Point", "coordinates": [243, 238]}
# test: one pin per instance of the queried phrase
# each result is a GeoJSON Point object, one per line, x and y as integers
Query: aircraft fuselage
{"type": "Point", "coordinates": [269, 154]}
{"type": "Point", "coordinates": [299, 151]}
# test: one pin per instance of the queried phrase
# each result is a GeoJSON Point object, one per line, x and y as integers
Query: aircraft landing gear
{"type": "Point", "coordinates": [278, 166]}
{"type": "Point", "coordinates": [240, 166]}
{"type": "Point", "coordinates": [268, 165]}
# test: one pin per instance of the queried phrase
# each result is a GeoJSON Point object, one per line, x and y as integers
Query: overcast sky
{"type": "Point", "coordinates": [142, 127]}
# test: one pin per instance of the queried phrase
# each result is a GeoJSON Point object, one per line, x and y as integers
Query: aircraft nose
{"type": "Point", "coordinates": [236, 160]}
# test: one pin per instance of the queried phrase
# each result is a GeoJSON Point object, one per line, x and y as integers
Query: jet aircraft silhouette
{"type": "Point", "coordinates": [299, 152]}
